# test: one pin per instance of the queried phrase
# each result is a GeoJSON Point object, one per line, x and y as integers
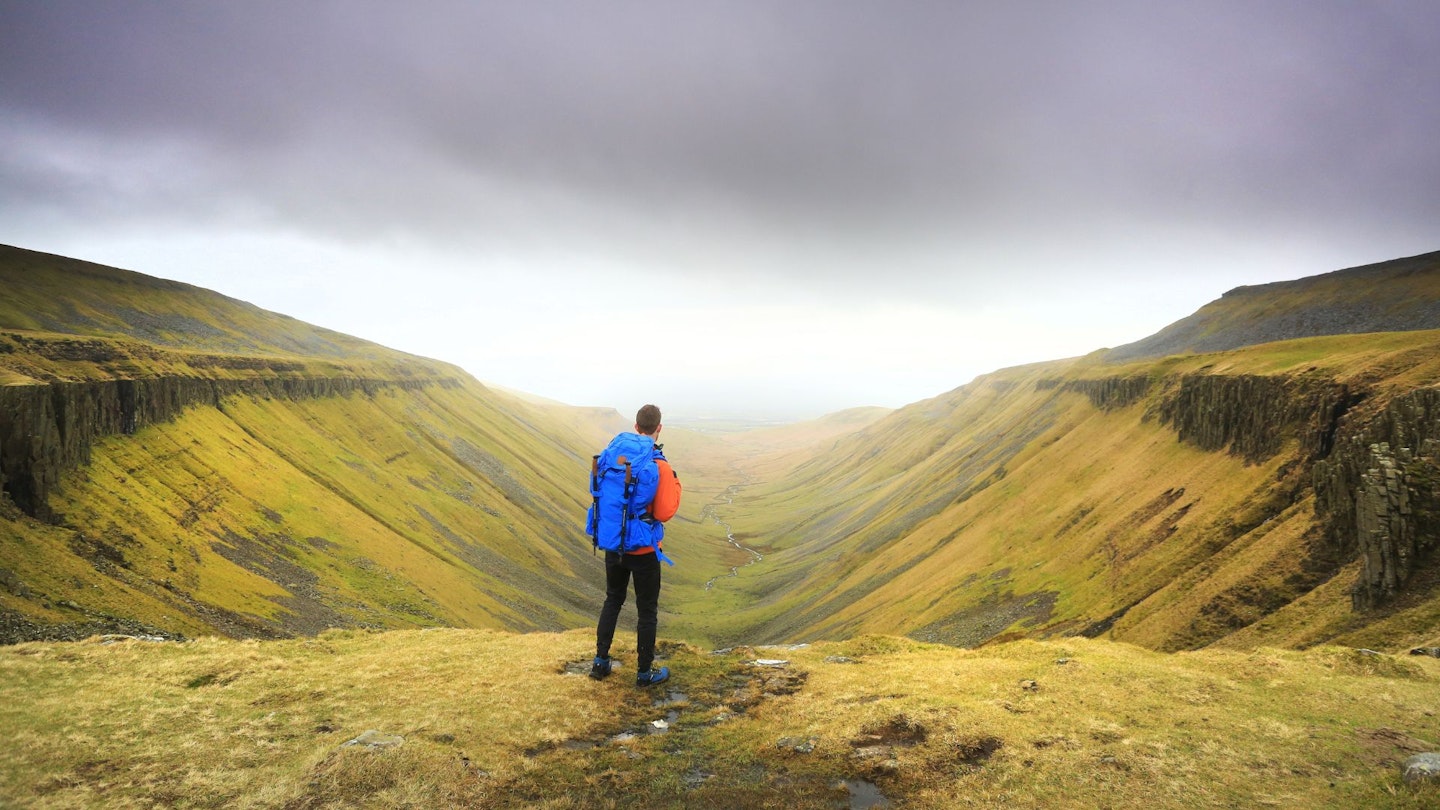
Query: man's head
{"type": "Point", "coordinates": [647, 420]}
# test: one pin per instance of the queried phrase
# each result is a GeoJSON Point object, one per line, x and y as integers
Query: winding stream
{"type": "Point", "coordinates": [709, 511]}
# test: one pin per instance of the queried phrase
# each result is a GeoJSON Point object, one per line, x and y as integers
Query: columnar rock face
{"type": "Point", "coordinates": [1248, 415]}
{"type": "Point", "coordinates": [1375, 471]}
{"type": "Point", "coordinates": [48, 429]}
{"type": "Point", "coordinates": [1378, 495]}
{"type": "Point", "coordinates": [1108, 393]}
{"type": "Point", "coordinates": [1253, 416]}
{"type": "Point", "coordinates": [1377, 489]}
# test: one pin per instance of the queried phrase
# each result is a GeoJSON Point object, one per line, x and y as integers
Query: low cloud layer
{"type": "Point", "coordinates": [772, 168]}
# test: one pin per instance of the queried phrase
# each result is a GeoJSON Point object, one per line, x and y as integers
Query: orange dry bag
{"type": "Point", "coordinates": [667, 492]}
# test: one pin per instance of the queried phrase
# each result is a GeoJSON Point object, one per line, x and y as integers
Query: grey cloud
{"type": "Point", "coordinates": [812, 139]}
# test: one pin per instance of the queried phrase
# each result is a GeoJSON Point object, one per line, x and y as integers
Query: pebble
{"type": "Point", "coordinates": [375, 740]}
{"type": "Point", "coordinates": [1421, 768]}
{"type": "Point", "coordinates": [796, 744]}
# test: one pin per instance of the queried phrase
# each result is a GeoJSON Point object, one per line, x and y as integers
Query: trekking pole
{"type": "Point", "coordinates": [595, 505]}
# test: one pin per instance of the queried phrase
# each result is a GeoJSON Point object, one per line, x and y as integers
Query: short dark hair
{"type": "Point", "coordinates": [647, 420]}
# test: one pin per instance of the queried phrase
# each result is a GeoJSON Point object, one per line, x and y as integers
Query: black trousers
{"type": "Point", "coordinates": [619, 569]}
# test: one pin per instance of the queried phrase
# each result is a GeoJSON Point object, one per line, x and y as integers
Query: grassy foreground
{"type": "Point", "coordinates": [489, 719]}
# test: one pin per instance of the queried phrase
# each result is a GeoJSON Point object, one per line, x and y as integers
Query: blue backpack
{"type": "Point", "coordinates": [623, 481]}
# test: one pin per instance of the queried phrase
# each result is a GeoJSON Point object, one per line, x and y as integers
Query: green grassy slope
{"type": "Point", "coordinates": [415, 497]}
{"type": "Point", "coordinates": [49, 293]}
{"type": "Point", "coordinates": [1015, 505]}
{"type": "Point", "coordinates": [1392, 296]}
{"type": "Point", "coordinates": [1049, 500]}
{"type": "Point", "coordinates": [275, 516]}
{"type": "Point", "coordinates": [1169, 503]}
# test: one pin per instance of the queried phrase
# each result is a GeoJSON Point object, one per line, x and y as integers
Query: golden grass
{"type": "Point", "coordinates": [376, 497]}
{"type": "Point", "coordinates": [490, 719]}
{"type": "Point", "coordinates": [369, 493]}
{"type": "Point", "coordinates": [461, 506]}
{"type": "Point", "coordinates": [933, 517]}
{"type": "Point", "coordinates": [1401, 358]}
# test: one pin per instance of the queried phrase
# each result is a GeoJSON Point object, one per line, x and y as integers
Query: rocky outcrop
{"type": "Point", "coordinates": [1253, 416]}
{"type": "Point", "coordinates": [1247, 415]}
{"type": "Point", "coordinates": [1378, 495]}
{"type": "Point", "coordinates": [1105, 393]}
{"type": "Point", "coordinates": [48, 429]}
{"type": "Point", "coordinates": [1375, 471]}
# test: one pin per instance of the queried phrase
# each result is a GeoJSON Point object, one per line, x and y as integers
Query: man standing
{"type": "Point", "coordinates": [624, 481]}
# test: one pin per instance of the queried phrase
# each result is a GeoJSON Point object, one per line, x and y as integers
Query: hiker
{"type": "Point", "coordinates": [634, 492]}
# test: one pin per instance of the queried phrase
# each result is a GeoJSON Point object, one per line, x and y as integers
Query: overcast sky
{"type": "Point", "coordinates": [779, 207]}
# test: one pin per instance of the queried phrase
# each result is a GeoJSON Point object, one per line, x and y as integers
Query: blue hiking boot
{"type": "Point", "coordinates": [652, 677]}
{"type": "Point", "coordinates": [600, 668]}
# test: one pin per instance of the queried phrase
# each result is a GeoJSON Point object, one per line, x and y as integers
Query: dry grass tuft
{"type": "Point", "coordinates": [488, 719]}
